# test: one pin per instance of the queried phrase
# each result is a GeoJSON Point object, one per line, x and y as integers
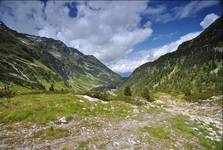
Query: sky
{"type": "Point", "coordinates": [121, 34]}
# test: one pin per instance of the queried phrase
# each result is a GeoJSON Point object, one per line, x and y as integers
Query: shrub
{"type": "Point", "coordinates": [187, 92]}
{"type": "Point", "coordinates": [146, 94]}
{"type": "Point", "coordinates": [100, 95]}
{"type": "Point", "coordinates": [127, 91]}
{"type": "Point", "coordinates": [52, 88]}
{"type": "Point", "coordinates": [7, 92]}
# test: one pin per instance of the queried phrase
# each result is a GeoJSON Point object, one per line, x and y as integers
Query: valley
{"type": "Point", "coordinates": [53, 96]}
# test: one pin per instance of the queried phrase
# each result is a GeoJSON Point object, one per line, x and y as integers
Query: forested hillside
{"type": "Point", "coordinates": [195, 69]}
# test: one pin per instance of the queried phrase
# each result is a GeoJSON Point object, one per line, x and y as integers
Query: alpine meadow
{"type": "Point", "coordinates": [111, 75]}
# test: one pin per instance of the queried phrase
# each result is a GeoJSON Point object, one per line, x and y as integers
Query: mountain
{"type": "Point", "coordinates": [194, 69]}
{"type": "Point", "coordinates": [37, 62]}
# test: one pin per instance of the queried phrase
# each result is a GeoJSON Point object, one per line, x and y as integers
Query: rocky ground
{"type": "Point", "coordinates": [163, 124]}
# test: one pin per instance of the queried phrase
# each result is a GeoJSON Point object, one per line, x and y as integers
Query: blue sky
{"type": "Point", "coordinates": [122, 34]}
{"type": "Point", "coordinates": [177, 27]}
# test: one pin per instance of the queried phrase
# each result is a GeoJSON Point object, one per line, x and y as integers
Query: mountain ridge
{"type": "Point", "coordinates": [191, 69]}
{"type": "Point", "coordinates": [37, 62]}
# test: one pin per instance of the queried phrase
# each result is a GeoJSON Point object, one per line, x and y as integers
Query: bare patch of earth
{"type": "Point", "coordinates": [127, 133]}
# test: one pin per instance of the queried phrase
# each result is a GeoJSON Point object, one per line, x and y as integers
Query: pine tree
{"type": "Point", "coordinates": [127, 91]}
{"type": "Point", "coordinates": [52, 88]}
{"type": "Point", "coordinates": [146, 94]}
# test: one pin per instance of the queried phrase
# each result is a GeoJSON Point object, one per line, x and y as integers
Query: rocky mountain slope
{"type": "Point", "coordinates": [37, 62]}
{"type": "Point", "coordinates": [194, 69]}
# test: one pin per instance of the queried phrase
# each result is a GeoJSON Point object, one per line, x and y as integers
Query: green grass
{"type": "Point", "coordinates": [17, 88]}
{"type": "Point", "coordinates": [50, 134]}
{"type": "Point", "coordinates": [155, 110]}
{"type": "Point", "coordinates": [89, 124]}
{"type": "Point", "coordinates": [181, 125]}
{"type": "Point", "coordinates": [189, 146]}
{"type": "Point", "coordinates": [65, 148]}
{"type": "Point", "coordinates": [157, 95]}
{"type": "Point", "coordinates": [41, 65]}
{"type": "Point", "coordinates": [83, 145]}
{"type": "Point", "coordinates": [185, 127]}
{"type": "Point", "coordinates": [149, 109]}
{"type": "Point", "coordinates": [42, 108]}
{"type": "Point", "coordinates": [175, 96]}
{"type": "Point", "coordinates": [85, 83]}
{"type": "Point", "coordinates": [58, 85]}
{"type": "Point", "coordinates": [158, 132]}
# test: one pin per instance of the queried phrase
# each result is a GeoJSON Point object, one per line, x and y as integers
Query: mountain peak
{"type": "Point", "coordinates": [2, 25]}
{"type": "Point", "coordinates": [37, 62]}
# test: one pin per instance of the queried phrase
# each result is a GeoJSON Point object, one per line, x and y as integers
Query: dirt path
{"type": "Point", "coordinates": [115, 133]}
{"type": "Point", "coordinates": [205, 113]}
{"type": "Point", "coordinates": [122, 133]}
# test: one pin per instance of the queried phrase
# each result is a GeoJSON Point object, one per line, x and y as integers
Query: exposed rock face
{"type": "Point", "coordinates": [36, 62]}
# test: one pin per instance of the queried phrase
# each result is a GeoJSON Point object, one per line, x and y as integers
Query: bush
{"type": "Point", "coordinates": [52, 88]}
{"type": "Point", "coordinates": [146, 94]}
{"type": "Point", "coordinates": [100, 95]}
{"type": "Point", "coordinates": [127, 91]}
{"type": "Point", "coordinates": [7, 92]}
{"type": "Point", "coordinates": [199, 96]}
{"type": "Point", "coordinates": [187, 91]}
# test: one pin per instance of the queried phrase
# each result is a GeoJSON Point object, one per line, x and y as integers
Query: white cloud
{"type": "Point", "coordinates": [208, 20]}
{"type": "Point", "coordinates": [164, 14]}
{"type": "Point", "coordinates": [193, 7]}
{"type": "Point", "coordinates": [107, 30]}
{"type": "Point", "coordinates": [159, 13]}
{"type": "Point", "coordinates": [135, 59]}
{"type": "Point", "coordinates": [126, 65]}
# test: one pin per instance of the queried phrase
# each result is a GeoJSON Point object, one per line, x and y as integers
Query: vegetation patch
{"type": "Point", "coordinates": [89, 124]}
{"type": "Point", "coordinates": [146, 94]}
{"type": "Point", "coordinates": [42, 108]}
{"type": "Point", "coordinates": [83, 145]}
{"type": "Point", "coordinates": [195, 130]}
{"type": "Point", "coordinates": [151, 109]}
{"type": "Point", "coordinates": [155, 110]}
{"type": "Point", "coordinates": [11, 139]}
{"type": "Point", "coordinates": [99, 95]}
{"type": "Point", "coordinates": [158, 132]}
{"type": "Point", "coordinates": [50, 134]}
